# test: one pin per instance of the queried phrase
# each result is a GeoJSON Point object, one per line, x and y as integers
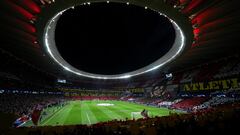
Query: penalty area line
{"type": "Point", "coordinates": [88, 119]}
{"type": "Point", "coordinates": [52, 116]}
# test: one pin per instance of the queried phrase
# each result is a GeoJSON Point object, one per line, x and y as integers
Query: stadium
{"type": "Point", "coordinates": [120, 67]}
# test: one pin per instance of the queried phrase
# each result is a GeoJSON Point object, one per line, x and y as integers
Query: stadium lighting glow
{"type": "Point", "coordinates": [50, 45]}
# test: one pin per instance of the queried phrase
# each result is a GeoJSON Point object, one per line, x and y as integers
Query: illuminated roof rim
{"type": "Point", "coordinates": [49, 44]}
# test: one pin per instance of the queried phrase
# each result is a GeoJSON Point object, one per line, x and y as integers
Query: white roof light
{"type": "Point", "coordinates": [125, 76]}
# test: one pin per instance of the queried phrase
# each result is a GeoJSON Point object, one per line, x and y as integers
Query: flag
{"type": "Point", "coordinates": [36, 114]}
{"type": "Point", "coordinates": [20, 121]}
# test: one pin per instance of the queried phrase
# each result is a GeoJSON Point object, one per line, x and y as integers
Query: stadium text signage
{"type": "Point", "coordinates": [212, 85]}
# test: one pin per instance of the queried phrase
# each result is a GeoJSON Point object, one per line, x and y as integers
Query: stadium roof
{"type": "Point", "coordinates": [210, 27]}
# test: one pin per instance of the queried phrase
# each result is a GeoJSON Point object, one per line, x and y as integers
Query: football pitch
{"type": "Point", "coordinates": [94, 111]}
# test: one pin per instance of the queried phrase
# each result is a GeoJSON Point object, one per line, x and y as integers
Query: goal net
{"type": "Point", "coordinates": [136, 115]}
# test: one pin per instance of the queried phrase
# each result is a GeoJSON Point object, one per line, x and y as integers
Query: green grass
{"type": "Point", "coordinates": [88, 112]}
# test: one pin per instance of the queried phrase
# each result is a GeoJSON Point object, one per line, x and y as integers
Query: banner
{"type": "Point", "coordinates": [212, 85]}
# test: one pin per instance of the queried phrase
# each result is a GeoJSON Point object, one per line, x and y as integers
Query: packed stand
{"type": "Point", "coordinates": [188, 104]}
{"type": "Point", "coordinates": [23, 104]}
{"type": "Point", "coordinates": [220, 69]}
{"type": "Point", "coordinates": [231, 69]}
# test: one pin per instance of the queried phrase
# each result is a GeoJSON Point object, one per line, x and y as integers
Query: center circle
{"type": "Point", "coordinates": [112, 38]}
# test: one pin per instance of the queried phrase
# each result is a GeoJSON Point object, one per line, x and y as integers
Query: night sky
{"type": "Point", "coordinates": [112, 38]}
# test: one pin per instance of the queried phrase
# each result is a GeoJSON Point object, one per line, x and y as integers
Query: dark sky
{"type": "Point", "coordinates": [112, 38]}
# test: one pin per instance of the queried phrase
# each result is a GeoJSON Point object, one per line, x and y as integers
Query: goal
{"type": "Point", "coordinates": [137, 115]}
